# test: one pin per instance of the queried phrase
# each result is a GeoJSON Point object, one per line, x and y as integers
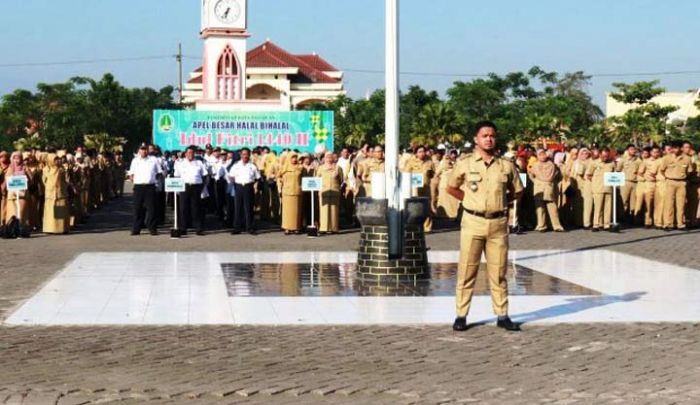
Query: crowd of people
{"type": "Point", "coordinates": [565, 188]}
{"type": "Point", "coordinates": [64, 188]}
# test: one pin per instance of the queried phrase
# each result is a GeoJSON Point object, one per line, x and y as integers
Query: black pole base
{"type": "Point", "coordinates": [175, 233]}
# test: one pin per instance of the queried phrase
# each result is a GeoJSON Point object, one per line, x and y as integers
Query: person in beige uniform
{"type": "Point", "coordinates": [4, 165]}
{"type": "Point", "coordinates": [419, 164]}
{"type": "Point", "coordinates": [56, 210]}
{"type": "Point", "coordinates": [602, 194]}
{"type": "Point", "coordinates": [447, 205]}
{"type": "Point", "coordinates": [544, 174]}
{"type": "Point", "coordinates": [329, 197]}
{"type": "Point", "coordinates": [290, 186]}
{"type": "Point", "coordinates": [647, 177]}
{"type": "Point", "coordinates": [365, 169]}
{"type": "Point", "coordinates": [486, 184]}
{"type": "Point", "coordinates": [629, 165]}
{"type": "Point", "coordinates": [676, 168]}
{"type": "Point", "coordinates": [693, 192]}
{"type": "Point", "coordinates": [583, 195]}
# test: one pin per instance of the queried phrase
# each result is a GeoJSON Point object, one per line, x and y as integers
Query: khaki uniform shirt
{"type": "Point", "coordinates": [597, 169]}
{"type": "Point", "coordinates": [424, 167]}
{"type": "Point", "coordinates": [629, 166]}
{"type": "Point", "coordinates": [676, 167]}
{"type": "Point", "coordinates": [486, 185]}
{"type": "Point", "coordinates": [544, 189]}
{"type": "Point", "coordinates": [369, 166]}
{"type": "Point", "coordinates": [647, 170]}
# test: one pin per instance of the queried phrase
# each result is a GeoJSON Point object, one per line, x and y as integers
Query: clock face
{"type": "Point", "coordinates": [227, 11]}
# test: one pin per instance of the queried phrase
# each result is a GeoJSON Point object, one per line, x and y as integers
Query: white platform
{"type": "Point", "coordinates": [189, 289]}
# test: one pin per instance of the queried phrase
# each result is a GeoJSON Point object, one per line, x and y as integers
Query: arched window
{"type": "Point", "coordinates": [227, 76]}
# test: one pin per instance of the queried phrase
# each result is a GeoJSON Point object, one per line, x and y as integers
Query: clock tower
{"type": "Point", "coordinates": [225, 35]}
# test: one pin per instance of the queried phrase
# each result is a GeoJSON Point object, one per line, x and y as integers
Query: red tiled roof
{"type": "Point", "coordinates": [271, 55]}
{"type": "Point", "coordinates": [318, 62]}
{"type": "Point", "coordinates": [196, 80]}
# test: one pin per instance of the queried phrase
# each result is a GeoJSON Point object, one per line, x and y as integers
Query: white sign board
{"type": "Point", "coordinates": [17, 183]}
{"type": "Point", "coordinates": [523, 179]}
{"type": "Point", "coordinates": [174, 185]}
{"type": "Point", "coordinates": [417, 180]}
{"type": "Point", "coordinates": [615, 179]}
{"type": "Point", "coordinates": [311, 183]}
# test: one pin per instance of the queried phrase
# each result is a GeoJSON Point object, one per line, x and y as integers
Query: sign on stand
{"type": "Point", "coordinates": [614, 180]}
{"type": "Point", "coordinates": [312, 184]}
{"type": "Point", "coordinates": [17, 183]}
{"type": "Point", "coordinates": [175, 185]}
{"type": "Point", "coordinates": [417, 180]}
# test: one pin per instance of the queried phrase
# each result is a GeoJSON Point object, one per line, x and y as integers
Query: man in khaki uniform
{"type": "Point", "coordinates": [367, 167]}
{"type": "Point", "coordinates": [676, 168]}
{"type": "Point", "coordinates": [629, 165]}
{"type": "Point", "coordinates": [418, 164]}
{"type": "Point", "coordinates": [647, 181]}
{"type": "Point", "coordinates": [485, 184]}
{"type": "Point", "coordinates": [693, 192]}
{"type": "Point", "coordinates": [602, 194]}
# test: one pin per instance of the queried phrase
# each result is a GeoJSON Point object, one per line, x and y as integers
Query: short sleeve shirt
{"type": "Point", "coordinates": [485, 186]}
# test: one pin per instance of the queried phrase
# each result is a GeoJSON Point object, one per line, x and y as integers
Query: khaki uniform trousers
{"type": "Point", "coordinates": [659, 196]}
{"type": "Point", "coordinates": [693, 195]}
{"type": "Point", "coordinates": [603, 210]}
{"type": "Point", "coordinates": [587, 196]}
{"type": "Point", "coordinates": [639, 205]}
{"type": "Point", "coordinates": [490, 237]}
{"type": "Point", "coordinates": [546, 208]}
{"type": "Point", "coordinates": [674, 202]}
{"type": "Point", "coordinates": [646, 202]}
{"type": "Point", "coordinates": [628, 196]}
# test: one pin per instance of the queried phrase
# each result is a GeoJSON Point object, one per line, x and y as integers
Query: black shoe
{"type": "Point", "coordinates": [460, 324]}
{"type": "Point", "coordinates": [200, 233]}
{"type": "Point", "coordinates": [133, 233]}
{"type": "Point", "coordinates": [668, 229]}
{"type": "Point", "coordinates": [235, 232]}
{"type": "Point", "coordinates": [595, 229]}
{"type": "Point", "coordinates": [647, 226]}
{"type": "Point", "coordinates": [508, 325]}
{"type": "Point", "coordinates": [252, 233]}
{"type": "Point", "coordinates": [154, 232]}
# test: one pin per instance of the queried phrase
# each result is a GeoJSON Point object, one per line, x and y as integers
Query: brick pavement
{"type": "Point", "coordinates": [599, 363]}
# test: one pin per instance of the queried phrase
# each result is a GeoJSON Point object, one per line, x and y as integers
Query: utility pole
{"type": "Point", "coordinates": [393, 186]}
{"type": "Point", "coordinates": [178, 57]}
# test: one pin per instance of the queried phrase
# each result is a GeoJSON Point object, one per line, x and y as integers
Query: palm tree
{"type": "Point", "coordinates": [436, 124]}
{"type": "Point", "coordinates": [104, 142]}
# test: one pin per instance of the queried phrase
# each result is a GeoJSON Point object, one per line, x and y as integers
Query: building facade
{"type": "Point", "coordinates": [265, 78]}
{"type": "Point", "coordinates": [684, 101]}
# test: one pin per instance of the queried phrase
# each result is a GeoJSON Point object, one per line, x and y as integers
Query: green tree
{"type": "Point", "coordinates": [646, 121]}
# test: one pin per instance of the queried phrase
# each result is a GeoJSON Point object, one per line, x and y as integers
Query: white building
{"type": "Point", "coordinates": [684, 101]}
{"type": "Point", "coordinates": [274, 79]}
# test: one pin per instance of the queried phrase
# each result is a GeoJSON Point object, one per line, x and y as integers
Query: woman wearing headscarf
{"type": "Point", "coordinates": [544, 174]}
{"type": "Point", "coordinates": [290, 184]}
{"type": "Point", "coordinates": [308, 169]}
{"type": "Point", "coordinates": [17, 168]}
{"type": "Point", "coordinates": [56, 210]}
{"type": "Point", "coordinates": [4, 165]}
{"type": "Point", "coordinates": [34, 194]}
{"type": "Point", "coordinates": [329, 197]}
{"type": "Point", "coordinates": [583, 194]}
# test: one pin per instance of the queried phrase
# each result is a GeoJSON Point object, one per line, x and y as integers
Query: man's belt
{"type": "Point", "coordinates": [668, 178]}
{"type": "Point", "coordinates": [485, 215]}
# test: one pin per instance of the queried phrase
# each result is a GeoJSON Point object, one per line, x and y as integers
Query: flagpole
{"type": "Point", "coordinates": [393, 192]}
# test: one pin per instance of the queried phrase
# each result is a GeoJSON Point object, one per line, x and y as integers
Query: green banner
{"type": "Point", "coordinates": [300, 130]}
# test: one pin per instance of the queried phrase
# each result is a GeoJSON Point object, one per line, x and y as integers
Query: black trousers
{"type": "Point", "coordinates": [220, 194]}
{"type": "Point", "coordinates": [190, 207]}
{"type": "Point", "coordinates": [144, 207]}
{"type": "Point", "coordinates": [230, 210]}
{"type": "Point", "coordinates": [245, 197]}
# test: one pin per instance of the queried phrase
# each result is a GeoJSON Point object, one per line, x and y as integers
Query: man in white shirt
{"type": "Point", "coordinates": [244, 174]}
{"type": "Point", "coordinates": [144, 173]}
{"type": "Point", "coordinates": [193, 172]}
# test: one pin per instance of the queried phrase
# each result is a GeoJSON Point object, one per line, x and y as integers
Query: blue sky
{"type": "Point", "coordinates": [449, 36]}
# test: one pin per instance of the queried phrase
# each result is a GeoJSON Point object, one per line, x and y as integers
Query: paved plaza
{"type": "Point", "coordinates": [610, 318]}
